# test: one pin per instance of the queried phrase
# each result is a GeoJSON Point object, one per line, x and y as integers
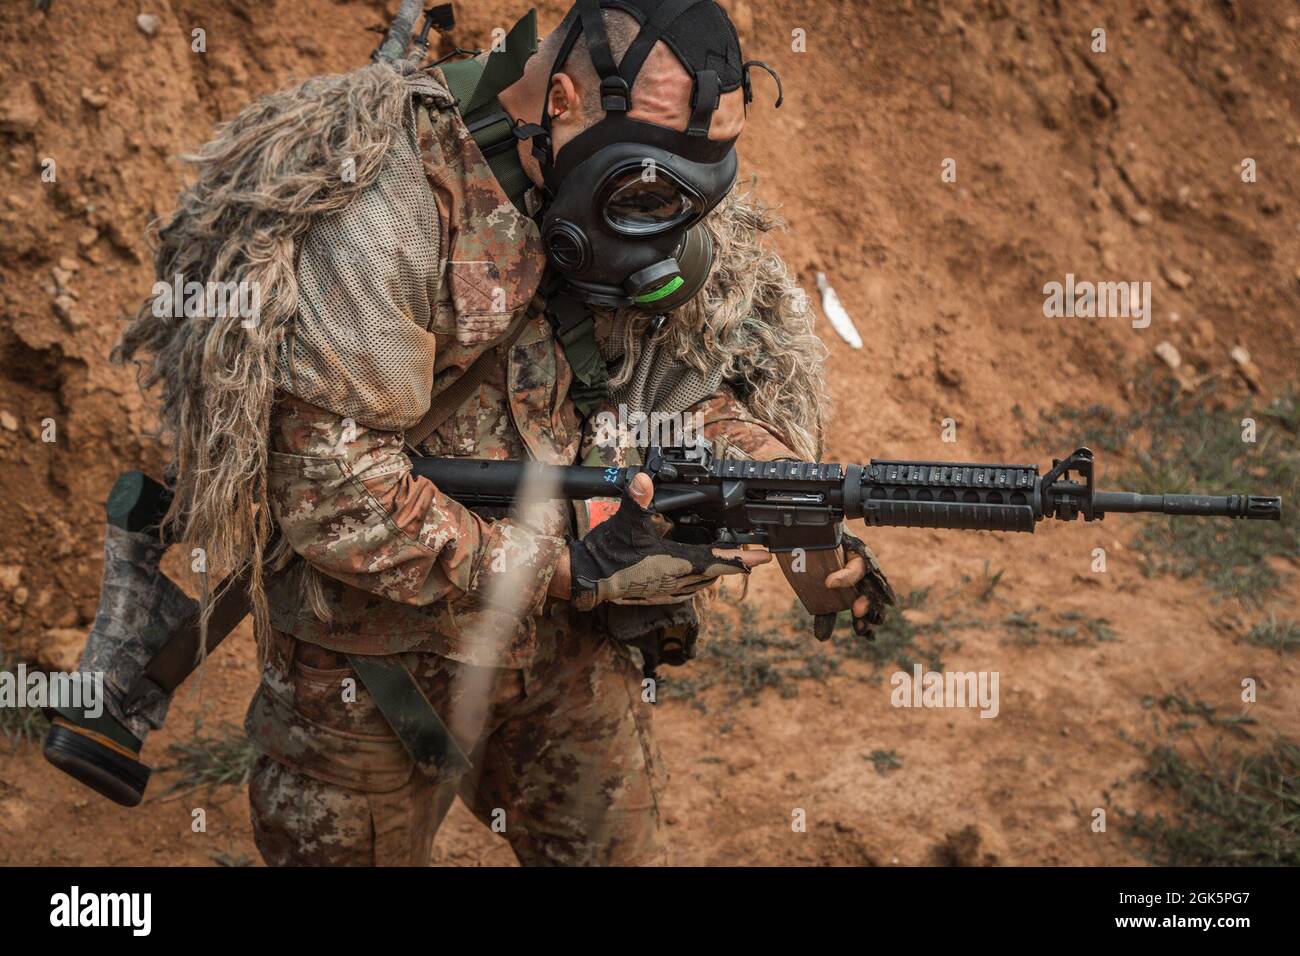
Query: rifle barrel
{"type": "Point", "coordinates": [1257, 507]}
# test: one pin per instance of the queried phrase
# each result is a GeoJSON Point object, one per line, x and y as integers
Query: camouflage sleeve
{"type": "Point", "coordinates": [734, 431]}
{"type": "Point", "coordinates": [345, 499]}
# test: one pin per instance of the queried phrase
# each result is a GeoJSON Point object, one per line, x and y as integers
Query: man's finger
{"type": "Point", "coordinates": [860, 607]}
{"type": "Point", "coordinates": [752, 559]}
{"type": "Point", "coordinates": [854, 570]}
{"type": "Point", "coordinates": [642, 489]}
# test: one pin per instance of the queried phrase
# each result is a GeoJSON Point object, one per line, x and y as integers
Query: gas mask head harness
{"type": "Point", "coordinates": [624, 198]}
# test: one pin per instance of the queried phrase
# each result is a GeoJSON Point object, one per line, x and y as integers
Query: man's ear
{"type": "Point", "coordinates": [562, 99]}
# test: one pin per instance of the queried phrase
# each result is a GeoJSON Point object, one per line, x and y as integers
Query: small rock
{"type": "Point", "coordinates": [1203, 334]}
{"type": "Point", "coordinates": [96, 99]}
{"type": "Point", "coordinates": [1246, 368]}
{"type": "Point", "coordinates": [1225, 71]}
{"type": "Point", "coordinates": [10, 424]}
{"type": "Point", "coordinates": [948, 375]}
{"type": "Point", "coordinates": [1176, 277]}
{"type": "Point", "coordinates": [943, 93]}
{"type": "Point", "coordinates": [147, 23]}
{"type": "Point", "coordinates": [69, 264]}
{"type": "Point", "coordinates": [87, 238]}
{"type": "Point", "coordinates": [65, 307]}
{"type": "Point", "coordinates": [20, 596]}
{"type": "Point", "coordinates": [1166, 352]}
{"type": "Point", "coordinates": [1142, 217]}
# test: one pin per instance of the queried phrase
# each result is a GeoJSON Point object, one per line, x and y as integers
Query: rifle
{"type": "Point", "coordinates": [789, 507]}
{"type": "Point", "coordinates": [797, 508]}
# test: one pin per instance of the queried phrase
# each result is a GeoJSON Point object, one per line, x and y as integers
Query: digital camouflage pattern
{"type": "Point", "coordinates": [139, 608]}
{"type": "Point", "coordinates": [393, 564]}
{"type": "Point", "coordinates": [495, 258]}
{"type": "Point", "coordinates": [564, 765]}
{"type": "Point", "coordinates": [560, 742]}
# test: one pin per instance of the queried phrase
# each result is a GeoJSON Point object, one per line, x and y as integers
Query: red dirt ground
{"type": "Point", "coordinates": [1122, 165]}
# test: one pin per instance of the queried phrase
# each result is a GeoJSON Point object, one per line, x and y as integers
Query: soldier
{"type": "Point", "coordinates": [524, 243]}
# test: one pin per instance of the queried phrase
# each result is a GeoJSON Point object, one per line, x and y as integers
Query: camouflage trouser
{"type": "Point", "coordinates": [562, 754]}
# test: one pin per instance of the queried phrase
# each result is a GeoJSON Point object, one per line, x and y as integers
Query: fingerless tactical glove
{"type": "Point", "coordinates": [625, 560]}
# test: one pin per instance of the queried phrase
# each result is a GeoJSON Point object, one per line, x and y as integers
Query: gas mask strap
{"type": "Point", "coordinates": [615, 92]}
{"type": "Point", "coordinates": [704, 101]}
{"type": "Point", "coordinates": [649, 35]}
{"type": "Point", "coordinates": [542, 151]}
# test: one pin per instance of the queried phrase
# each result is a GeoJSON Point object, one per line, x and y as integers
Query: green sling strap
{"type": "Point", "coordinates": [411, 715]}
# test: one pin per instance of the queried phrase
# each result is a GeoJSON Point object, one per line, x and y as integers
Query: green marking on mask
{"type": "Point", "coordinates": [665, 290]}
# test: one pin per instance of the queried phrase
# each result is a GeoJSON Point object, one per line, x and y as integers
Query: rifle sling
{"type": "Point", "coordinates": [411, 715]}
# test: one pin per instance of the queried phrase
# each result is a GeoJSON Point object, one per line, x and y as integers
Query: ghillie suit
{"type": "Point", "coordinates": [263, 179]}
{"type": "Point", "coordinates": [404, 576]}
{"type": "Point", "coordinates": [265, 176]}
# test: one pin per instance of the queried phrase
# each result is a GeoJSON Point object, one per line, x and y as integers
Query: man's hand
{"type": "Point", "coordinates": [625, 560]}
{"type": "Point", "coordinates": [861, 572]}
{"type": "Point", "coordinates": [854, 570]}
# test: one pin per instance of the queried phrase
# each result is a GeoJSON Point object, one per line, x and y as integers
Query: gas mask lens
{"type": "Point", "coordinates": [645, 200]}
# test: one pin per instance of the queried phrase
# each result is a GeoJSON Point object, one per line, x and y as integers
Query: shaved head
{"type": "Point", "coordinates": [661, 93]}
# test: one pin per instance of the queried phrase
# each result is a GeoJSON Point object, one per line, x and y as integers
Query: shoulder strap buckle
{"type": "Point", "coordinates": [705, 99]}
{"type": "Point", "coordinates": [615, 95]}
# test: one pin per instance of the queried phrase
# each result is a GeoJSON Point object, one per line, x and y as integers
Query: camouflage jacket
{"type": "Point", "coordinates": [392, 565]}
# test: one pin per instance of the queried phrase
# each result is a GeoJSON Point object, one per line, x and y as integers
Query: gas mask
{"type": "Point", "coordinates": [624, 226]}
{"type": "Point", "coordinates": [624, 199]}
